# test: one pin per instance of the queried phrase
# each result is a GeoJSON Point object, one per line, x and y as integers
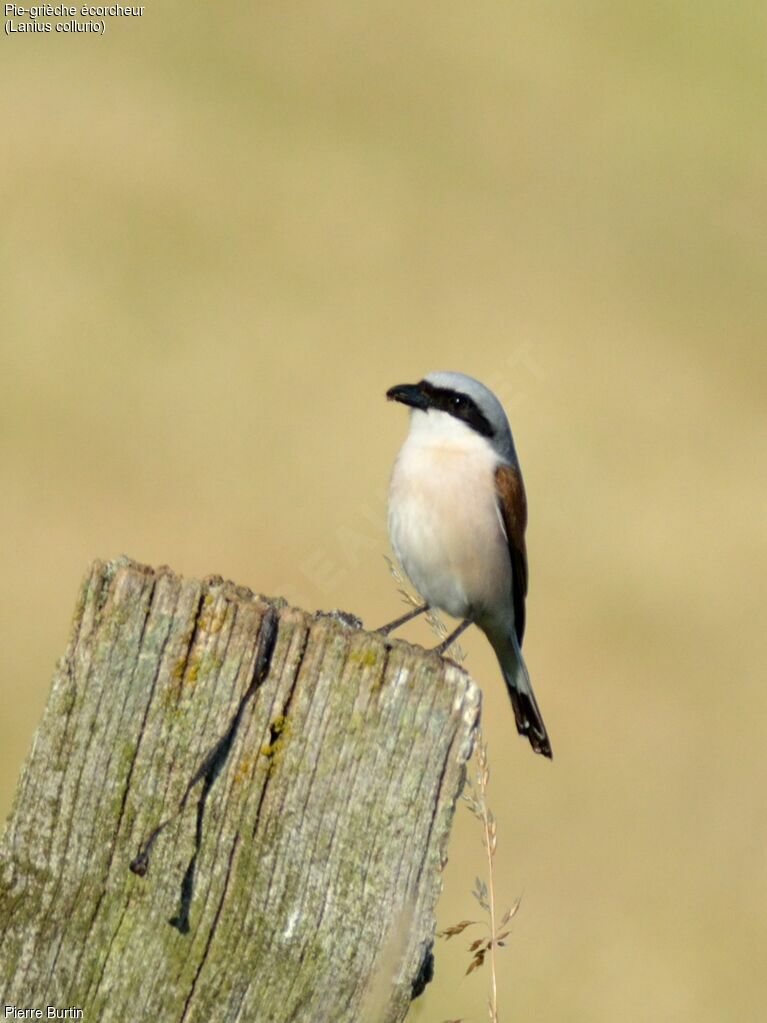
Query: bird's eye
{"type": "Point", "coordinates": [459, 401]}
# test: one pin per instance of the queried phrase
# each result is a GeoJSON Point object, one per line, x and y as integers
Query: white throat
{"type": "Point", "coordinates": [441, 430]}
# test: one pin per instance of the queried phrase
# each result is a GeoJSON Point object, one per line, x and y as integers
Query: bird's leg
{"type": "Point", "coordinates": [449, 640]}
{"type": "Point", "coordinates": [386, 629]}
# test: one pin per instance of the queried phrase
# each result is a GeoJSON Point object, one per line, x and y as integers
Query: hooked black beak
{"type": "Point", "coordinates": [408, 394]}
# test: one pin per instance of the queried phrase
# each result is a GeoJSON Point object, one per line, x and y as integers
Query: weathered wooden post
{"type": "Point", "coordinates": [233, 810]}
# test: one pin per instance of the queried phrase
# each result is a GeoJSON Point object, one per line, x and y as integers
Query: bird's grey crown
{"type": "Point", "coordinates": [488, 405]}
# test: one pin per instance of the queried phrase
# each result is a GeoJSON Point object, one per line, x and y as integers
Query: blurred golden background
{"type": "Point", "coordinates": [226, 233]}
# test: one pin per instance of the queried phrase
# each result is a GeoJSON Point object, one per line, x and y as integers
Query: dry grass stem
{"type": "Point", "coordinates": [484, 948]}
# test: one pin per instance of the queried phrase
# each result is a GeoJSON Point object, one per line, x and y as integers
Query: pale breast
{"type": "Point", "coordinates": [445, 528]}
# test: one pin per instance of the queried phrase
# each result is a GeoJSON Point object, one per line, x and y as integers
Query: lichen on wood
{"type": "Point", "coordinates": [283, 785]}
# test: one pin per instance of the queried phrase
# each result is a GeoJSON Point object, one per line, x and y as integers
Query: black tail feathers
{"type": "Point", "coordinates": [526, 711]}
{"type": "Point", "coordinates": [529, 720]}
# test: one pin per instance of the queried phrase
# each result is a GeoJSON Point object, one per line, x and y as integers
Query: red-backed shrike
{"type": "Point", "coordinates": [457, 517]}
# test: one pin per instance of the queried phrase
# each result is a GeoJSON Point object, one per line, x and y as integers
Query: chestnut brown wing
{"type": "Point", "coordinates": [512, 505]}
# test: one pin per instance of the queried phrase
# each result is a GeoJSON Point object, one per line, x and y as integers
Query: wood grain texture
{"type": "Point", "coordinates": [316, 767]}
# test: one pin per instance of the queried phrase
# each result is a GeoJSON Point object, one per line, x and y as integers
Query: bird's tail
{"type": "Point", "coordinates": [526, 711]}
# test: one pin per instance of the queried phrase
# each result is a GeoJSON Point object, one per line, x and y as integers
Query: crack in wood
{"type": "Point", "coordinates": [284, 713]}
{"type": "Point", "coordinates": [208, 772]}
{"type": "Point", "coordinates": [212, 931]}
